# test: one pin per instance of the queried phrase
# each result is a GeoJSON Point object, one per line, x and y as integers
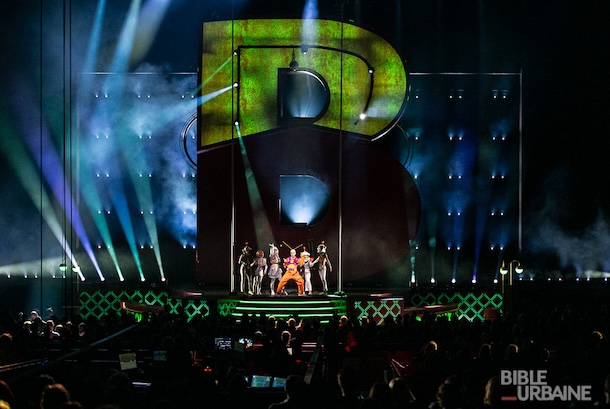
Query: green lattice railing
{"type": "Point", "coordinates": [471, 306]}
{"type": "Point", "coordinates": [379, 309]}
{"type": "Point", "coordinates": [100, 303]}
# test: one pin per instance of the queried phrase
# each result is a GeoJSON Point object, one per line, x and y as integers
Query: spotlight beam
{"type": "Point", "coordinates": [29, 177]}
{"type": "Point", "coordinates": [117, 196]}
{"type": "Point", "coordinates": [144, 195]}
{"type": "Point", "coordinates": [261, 223]}
{"type": "Point", "coordinates": [94, 45]}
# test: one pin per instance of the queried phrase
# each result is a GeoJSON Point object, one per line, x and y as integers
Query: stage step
{"type": "Point", "coordinates": [285, 307]}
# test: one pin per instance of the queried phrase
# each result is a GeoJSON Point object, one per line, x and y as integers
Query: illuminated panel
{"type": "Point", "coordinates": [260, 47]}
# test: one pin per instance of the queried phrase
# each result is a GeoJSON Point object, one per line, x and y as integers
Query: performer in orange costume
{"type": "Point", "coordinates": [291, 273]}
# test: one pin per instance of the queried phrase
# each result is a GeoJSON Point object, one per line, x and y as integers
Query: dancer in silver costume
{"type": "Point", "coordinates": [246, 262]}
{"type": "Point", "coordinates": [275, 271]}
{"type": "Point", "coordinates": [323, 265]}
{"type": "Point", "coordinates": [259, 271]}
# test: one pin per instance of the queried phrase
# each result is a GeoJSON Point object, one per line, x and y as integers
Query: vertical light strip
{"type": "Point", "coordinates": [520, 239]}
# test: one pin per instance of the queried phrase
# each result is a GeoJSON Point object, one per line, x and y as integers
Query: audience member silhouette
{"type": "Point", "coordinates": [296, 391]}
{"type": "Point", "coordinates": [53, 396]}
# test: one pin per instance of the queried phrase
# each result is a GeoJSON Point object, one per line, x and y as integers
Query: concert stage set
{"type": "Point", "coordinates": [326, 140]}
{"type": "Point", "coordinates": [318, 132]}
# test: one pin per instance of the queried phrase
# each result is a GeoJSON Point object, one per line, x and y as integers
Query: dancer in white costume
{"type": "Point", "coordinates": [305, 265]}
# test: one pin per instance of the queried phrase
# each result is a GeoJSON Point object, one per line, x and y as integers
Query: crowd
{"type": "Point", "coordinates": [403, 362]}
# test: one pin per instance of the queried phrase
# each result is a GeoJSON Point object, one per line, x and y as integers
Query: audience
{"type": "Point", "coordinates": [449, 364]}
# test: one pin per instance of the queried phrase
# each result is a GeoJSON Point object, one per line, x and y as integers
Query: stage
{"type": "Point", "coordinates": [473, 305]}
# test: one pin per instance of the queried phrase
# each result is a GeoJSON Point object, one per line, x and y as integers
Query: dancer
{"type": "Point", "coordinates": [305, 265]}
{"type": "Point", "coordinates": [245, 262]}
{"type": "Point", "coordinates": [275, 271]}
{"type": "Point", "coordinates": [323, 263]}
{"type": "Point", "coordinates": [261, 268]}
{"type": "Point", "coordinates": [291, 264]}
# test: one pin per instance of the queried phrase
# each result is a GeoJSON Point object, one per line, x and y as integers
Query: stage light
{"type": "Point", "coordinates": [453, 281]}
{"type": "Point", "coordinates": [372, 70]}
{"type": "Point", "coordinates": [495, 281]}
{"type": "Point", "coordinates": [474, 281]}
{"type": "Point", "coordinates": [63, 267]}
{"type": "Point", "coordinates": [304, 48]}
{"type": "Point", "coordinates": [432, 280]}
{"type": "Point", "coordinates": [235, 85]}
{"type": "Point", "coordinates": [362, 116]}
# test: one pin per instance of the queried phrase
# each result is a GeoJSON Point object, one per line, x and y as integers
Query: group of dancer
{"type": "Point", "coordinates": [254, 267]}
